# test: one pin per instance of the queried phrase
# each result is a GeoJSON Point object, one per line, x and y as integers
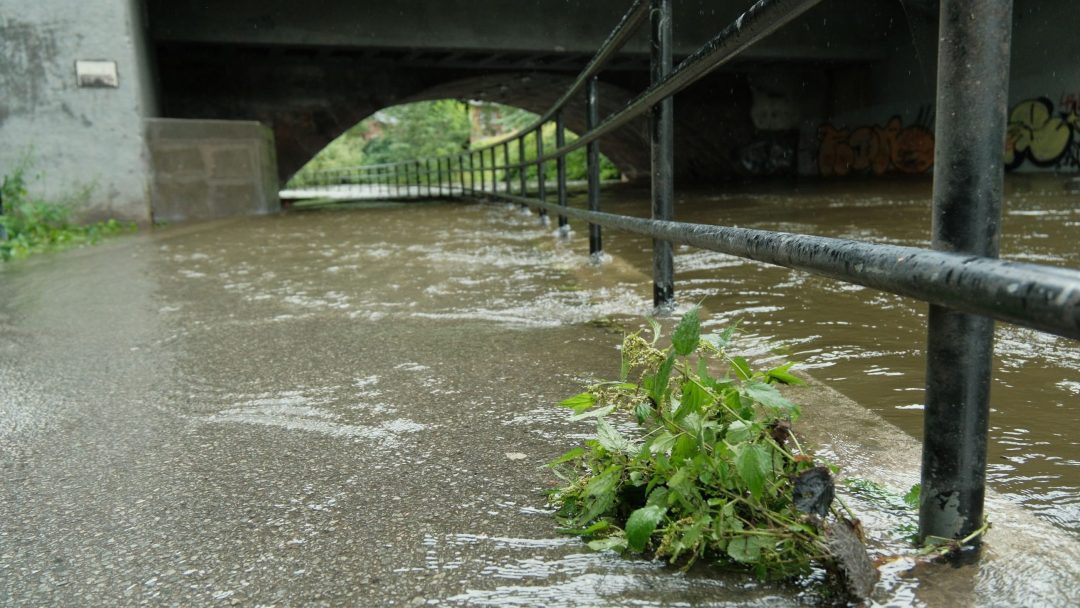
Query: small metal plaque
{"type": "Point", "coordinates": [96, 74]}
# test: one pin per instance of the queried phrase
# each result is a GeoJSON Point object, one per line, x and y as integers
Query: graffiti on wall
{"type": "Point", "coordinates": [875, 149]}
{"type": "Point", "coordinates": [1038, 135]}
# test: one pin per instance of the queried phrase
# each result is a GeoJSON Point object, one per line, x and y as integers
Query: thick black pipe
{"type": "Point", "coordinates": [560, 170]}
{"type": "Point", "coordinates": [1043, 298]}
{"type": "Point", "coordinates": [662, 137]}
{"type": "Point", "coordinates": [972, 97]}
{"type": "Point", "coordinates": [592, 162]}
{"type": "Point", "coordinates": [760, 20]}
{"type": "Point", "coordinates": [622, 33]}
{"type": "Point", "coordinates": [540, 190]}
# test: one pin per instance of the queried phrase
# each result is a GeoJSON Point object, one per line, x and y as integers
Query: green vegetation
{"type": "Point", "coordinates": [437, 128]}
{"type": "Point", "coordinates": [712, 469]}
{"type": "Point", "coordinates": [32, 225]}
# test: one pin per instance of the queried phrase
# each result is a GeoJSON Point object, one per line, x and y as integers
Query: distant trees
{"type": "Point", "coordinates": [437, 128]}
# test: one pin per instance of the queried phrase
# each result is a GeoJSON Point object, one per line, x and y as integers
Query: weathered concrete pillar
{"type": "Point", "coordinates": [75, 86]}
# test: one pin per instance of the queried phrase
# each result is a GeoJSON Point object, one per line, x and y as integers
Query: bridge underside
{"type": "Point", "coordinates": [309, 101]}
{"type": "Point", "coordinates": [312, 75]}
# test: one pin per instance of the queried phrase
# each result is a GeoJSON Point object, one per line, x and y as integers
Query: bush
{"type": "Point", "coordinates": [30, 225]}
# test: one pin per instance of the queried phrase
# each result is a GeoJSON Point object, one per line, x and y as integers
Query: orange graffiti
{"type": "Point", "coordinates": [875, 149]}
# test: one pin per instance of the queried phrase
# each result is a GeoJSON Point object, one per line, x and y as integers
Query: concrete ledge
{"type": "Point", "coordinates": [205, 169]}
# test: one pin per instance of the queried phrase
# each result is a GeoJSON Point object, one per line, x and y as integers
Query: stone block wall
{"type": "Point", "coordinates": [205, 169]}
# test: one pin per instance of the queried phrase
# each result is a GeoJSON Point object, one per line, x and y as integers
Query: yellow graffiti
{"type": "Point", "coordinates": [1035, 134]}
{"type": "Point", "coordinates": [875, 149]}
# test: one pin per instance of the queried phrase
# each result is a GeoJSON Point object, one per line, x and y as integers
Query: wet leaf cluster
{"type": "Point", "coordinates": [694, 458]}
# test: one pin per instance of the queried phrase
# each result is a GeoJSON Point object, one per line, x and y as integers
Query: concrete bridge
{"type": "Point", "coordinates": [844, 89]}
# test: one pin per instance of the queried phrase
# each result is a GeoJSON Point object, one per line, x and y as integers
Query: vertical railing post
{"type": "Point", "coordinates": [506, 165]}
{"type": "Point", "coordinates": [494, 173]}
{"type": "Point", "coordinates": [560, 170]}
{"type": "Point", "coordinates": [522, 172]}
{"type": "Point", "coordinates": [461, 172]}
{"type": "Point", "coordinates": [972, 94]}
{"type": "Point", "coordinates": [472, 175]}
{"type": "Point", "coordinates": [592, 161]}
{"type": "Point", "coordinates": [661, 131]}
{"type": "Point", "coordinates": [483, 168]}
{"type": "Point", "coordinates": [541, 192]}
{"type": "Point", "coordinates": [438, 176]}
{"type": "Point", "coordinates": [430, 180]}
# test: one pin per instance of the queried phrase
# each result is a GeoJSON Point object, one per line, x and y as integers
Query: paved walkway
{"type": "Point", "coordinates": [332, 408]}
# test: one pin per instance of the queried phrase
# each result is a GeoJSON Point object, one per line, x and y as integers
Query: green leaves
{"type": "Point", "coordinates": [768, 396]}
{"type": "Point", "coordinates": [701, 474]}
{"type": "Point", "coordinates": [747, 549]}
{"type": "Point", "coordinates": [640, 526]}
{"type": "Point", "coordinates": [753, 463]}
{"type": "Point", "coordinates": [687, 333]}
{"type": "Point", "coordinates": [580, 402]}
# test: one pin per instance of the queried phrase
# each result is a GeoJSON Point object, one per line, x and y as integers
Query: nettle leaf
{"type": "Point", "coordinates": [738, 432]}
{"type": "Point", "coordinates": [768, 396]}
{"type": "Point", "coordinates": [573, 454]}
{"type": "Point", "coordinates": [687, 333]}
{"type": "Point", "coordinates": [611, 543]}
{"type": "Point", "coordinates": [782, 375]}
{"type": "Point", "coordinates": [719, 341]}
{"type": "Point", "coordinates": [753, 464]}
{"type": "Point", "coordinates": [579, 402]}
{"type": "Point", "coordinates": [641, 524]}
{"type": "Point", "coordinates": [693, 399]}
{"type": "Point", "coordinates": [600, 413]}
{"type": "Point", "coordinates": [658, 390]}
{"type": "Point", "coordinates": [911, 499]}
{"type": "Point", "coordinates": [742, 368]}
{"type": "Point", "coordinates": [747, 549]}
{"type": "Point", "coordinates": [662, 443]}
{"type": "Point", "coordinates": [610, 438]}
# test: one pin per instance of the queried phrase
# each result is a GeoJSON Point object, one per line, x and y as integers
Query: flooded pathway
{"type": "Point", "coordinates": [341, 407]}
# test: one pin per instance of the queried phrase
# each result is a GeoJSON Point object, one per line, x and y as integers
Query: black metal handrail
{"type": "Point", "coordinates": [962, 279]}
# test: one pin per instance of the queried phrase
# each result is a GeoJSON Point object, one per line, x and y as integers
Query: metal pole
{"type": "Point", "coordinates": [560, 169]}
{"type": "Point", "coordinates": [540, 192]}
{"type": "Point", "coordinates": [397, 182]}
{"type": "Point", "coordinates": [439, 174]}
{"type": "Point", "coordinates": [461, 172]}
{"type": "Point", "coordinates": [494, 173]}
{"type": "Point", "coordinates": [592, 160]}
{"type": "Point", "coordinates": [661, 131]}
{"type": "Point", "coordinates": [430, 184]}
{"type": "Point", "coordinates": [972, 94]}
{"type": "Point", "coordinates": [506, 167]}
{"type": "Point", "coordinates": [521, 170]}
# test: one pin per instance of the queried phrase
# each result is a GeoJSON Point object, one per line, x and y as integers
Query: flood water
{"type": "Point", "coordinates": [870, 345]}
{"type": "Point", "coordinates": [347, 405]}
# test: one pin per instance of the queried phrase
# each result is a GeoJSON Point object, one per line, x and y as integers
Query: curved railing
{"type": "Point", "coordinates": [961, 277]}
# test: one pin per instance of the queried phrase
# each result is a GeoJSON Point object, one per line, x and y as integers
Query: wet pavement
{"type": "Point", "coordinates": [350, 407]}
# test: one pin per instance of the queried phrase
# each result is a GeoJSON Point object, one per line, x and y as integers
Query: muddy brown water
{"type": "Point", "coordinates": [264, 411]}
{"type": "Point", "coordinates": [870, 345]}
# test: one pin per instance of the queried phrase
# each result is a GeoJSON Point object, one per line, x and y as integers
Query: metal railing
{"type": "Point", "coordinates": [961, 278]}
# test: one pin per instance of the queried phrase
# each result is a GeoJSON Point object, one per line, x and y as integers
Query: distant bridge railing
{"type": "Point", "coordinates": [961, 278]}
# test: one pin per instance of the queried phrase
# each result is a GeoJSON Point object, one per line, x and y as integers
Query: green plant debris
{"type": "Point", "coordinates": [711, 468]}
{"type": "Point", "coordinates": [30, 225]}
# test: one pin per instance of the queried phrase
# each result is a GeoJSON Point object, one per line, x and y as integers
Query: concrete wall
{"type": "Point", "coordinates": [77, 137]}
{"type": "Point", "coordinates": [882, 117]}
{"type": "Point", "coordinates": [207, 169]}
